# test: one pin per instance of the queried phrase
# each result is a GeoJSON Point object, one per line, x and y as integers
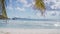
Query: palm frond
{"type": "Point", "coordinates": [39, 4]}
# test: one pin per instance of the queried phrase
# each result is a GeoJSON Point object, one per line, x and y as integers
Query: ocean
{"type": "Point", "coordinates": [29, 24]}
{"type": "Point", "coordinates": [29, 27]}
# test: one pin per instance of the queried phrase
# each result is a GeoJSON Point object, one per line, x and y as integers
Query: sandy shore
{"type": "Point", "coordinates": [28, 31]}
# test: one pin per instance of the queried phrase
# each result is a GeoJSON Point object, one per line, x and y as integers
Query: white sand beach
{"type": "Point", "coordinates": [28, 31]}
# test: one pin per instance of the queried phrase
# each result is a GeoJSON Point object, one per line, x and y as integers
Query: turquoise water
{"type": "Point", "coordinates": [29, 24]}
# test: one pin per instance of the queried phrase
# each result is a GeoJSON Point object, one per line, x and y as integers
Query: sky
{"type": "Point", "coordinates": [26, 9]}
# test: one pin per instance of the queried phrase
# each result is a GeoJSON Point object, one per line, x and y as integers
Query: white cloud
{"type": "Point", "coordinates": [27, 5]}
{"type": "Point", "coordinates": [48, 1]}
{"type": "Point", "coordinates": [57, 13]}
{"type": "Point", "coordinates": [10, 1]}
{"type": "Point", "coordinates": [51, 13]}
{"type": "Point", "coordinates": [22, 1]}
{"type": "Point", "coordinates": [10, 7]}
{"type": "Point", "coordinates": [20, 9]}
{"type": "Point", "coordinates": [16, 16]}
{"type": "Point", "coordinates": [56, 6]}
{"type": "Point", "coordinates": [33, 3]}
{"type": "Point", "coordinates": [38, 14]}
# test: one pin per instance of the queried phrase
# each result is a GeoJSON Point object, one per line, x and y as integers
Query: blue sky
{"type": "Point", "coordinates": [25, 9]}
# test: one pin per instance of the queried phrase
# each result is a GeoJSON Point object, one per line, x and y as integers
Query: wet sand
{"type": "Point", "coordinates": [28, 31]}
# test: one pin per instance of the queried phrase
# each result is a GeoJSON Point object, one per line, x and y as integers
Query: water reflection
{"type": "Point", "coordinates": [29, 24]}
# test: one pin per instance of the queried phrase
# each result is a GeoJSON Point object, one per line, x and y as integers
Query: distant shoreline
{"type": "Point", "coordinates": [26, 19]}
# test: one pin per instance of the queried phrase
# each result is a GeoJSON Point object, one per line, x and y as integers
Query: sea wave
{"type": "Point", "coordinates": [29, 24]}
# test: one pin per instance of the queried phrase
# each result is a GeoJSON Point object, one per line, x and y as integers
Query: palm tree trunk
{"type": "Point", "coordinates": [4, 15]}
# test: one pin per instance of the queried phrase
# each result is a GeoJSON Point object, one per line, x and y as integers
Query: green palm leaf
{"type": "Point", "coordinates": [39, 4]}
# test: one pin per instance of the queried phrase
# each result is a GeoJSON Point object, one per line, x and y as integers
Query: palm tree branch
{"type": "Point", "coordinates": [39, 4]}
